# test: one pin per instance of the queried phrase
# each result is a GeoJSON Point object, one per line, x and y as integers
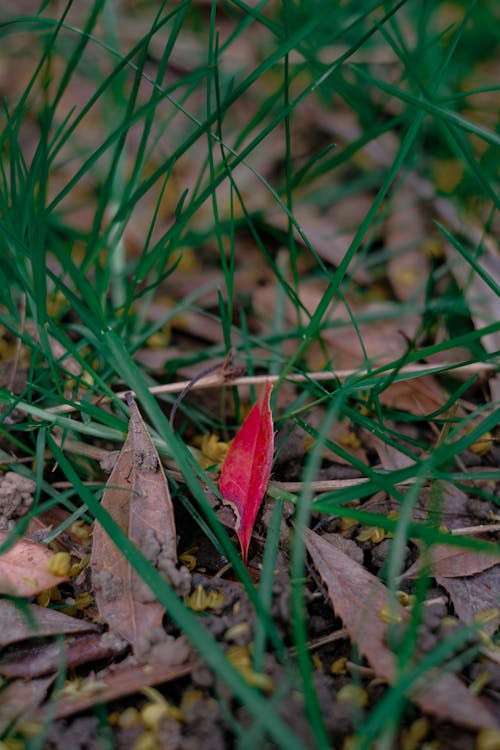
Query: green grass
{"type": "Point", "coordinates": [131, 142]}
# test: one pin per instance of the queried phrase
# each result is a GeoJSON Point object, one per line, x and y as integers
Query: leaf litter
{"type": "Point", "coordinates": [395, 261]}
{"type": "Point", "coordinates": [360, 599]}
{"type": "Point", "coordinates": [138, 498]}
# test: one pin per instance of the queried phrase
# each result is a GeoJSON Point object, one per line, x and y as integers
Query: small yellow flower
{"type": "Point", "coordinates": [405, 599]}
{"type": "Point", "coordinates": [353, 694]}
{"type": "Point", "coordinates": [390, 615]}
{"type": "Point", "coordinates": [214, 448]}
{"type": "Point", "coordinates": [317, 663]}
{"type": "Point", "coordinates": [215, 599]}
{"type": "Point", "coordinates": [349, 440]}
{"type": "Point", "coordinates": [152, 715]}
{"type": "Point", "coordinates": [482, 445]}
{"type": "Point", "coordinates": [240, 658]}
{"type": "Point", "coordinates": [189, 559]}
{"type": "Point", "coordinates": [371, 534]}
{"type": "Point", "coordinates": [77, 567]}
{"type": "Point", "coordinates": [128, 718]}
{"type": "Point", "coordinates": [146, 741]}
{"type": "Point", "coordinates": [235, 631]}
{"type": "Point", "coordinates": [412, 737]}
{"type": "Point", "coordinates": [59, 564]}
{"type": "Point", "coordinates": [29, 729]}
{"type": "Point", "coordinates": [339, 666]}
{"type": "Point", "coordinates": [198, 600]}
{"type": "Point", "coordinates": [347, 523]}
{"type": "Point", "coordinates": [81, 530]}
{"type": "Point", "coordinates": [488, 739]}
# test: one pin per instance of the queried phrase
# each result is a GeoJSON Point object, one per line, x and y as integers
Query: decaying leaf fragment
{"type": "Point", "coordinates": [22, 698]}
{"type": "Point", "coordinates": [475, 598]}
{"type": "Point", "coordinates": [24, 568]}
{"type": "Point", "coordinates": [247, 467]}
{"type": "Point", "coordinates": [138, 499]}
{"type": "Point", "coordinates": [34, 621]}
{"type": "Point", "coordinates": [363, 602]}
{"type": "Point", "coordinates": [452, 562]}
{"type": "Point", "coordinates": [116, 682]}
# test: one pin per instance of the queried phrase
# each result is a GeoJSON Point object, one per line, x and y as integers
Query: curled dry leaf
{"type": "Point", "coordinates": [138, 499]}
{"type": "Point", "coordinates": [358, 598]}
{"type": "Point", "coordinates": [247, 467]}
{"type": "Point", "coordinates": [23, 568]}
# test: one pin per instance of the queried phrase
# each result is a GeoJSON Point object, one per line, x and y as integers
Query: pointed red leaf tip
{"type": "Point", "coordinates": [247, 468]}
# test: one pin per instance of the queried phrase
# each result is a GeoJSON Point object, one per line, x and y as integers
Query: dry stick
{"type": "Point", "coordinates": [221, 378]}
{"type": "Point", "coordinates": [322, 485]}
{"type": "Point", "coordinates": [324, 640]}
{"type": "Point", "coordinates": [483, 528]}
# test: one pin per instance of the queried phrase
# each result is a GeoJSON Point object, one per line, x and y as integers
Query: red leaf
{"type": "Point", "coordinates": [247, 468]}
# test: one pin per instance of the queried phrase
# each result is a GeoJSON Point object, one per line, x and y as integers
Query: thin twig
{"type": "Point", "coordinates": [484, 528]}
{"type": "Point", "coordinates": [327, 485]}
{"type": "Point", "coordinates": [220, 378]}
{"type": "Point", "coordinates": [324, 640]}
{"type": "Point", "coordinates": [226, 370]}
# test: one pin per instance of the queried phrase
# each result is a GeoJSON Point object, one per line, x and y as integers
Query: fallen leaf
{"type": "Point", "coordinates": [247, 467]}
{"type": "Point", "coordinates": [22, 697]}
{"type": "Point", "coordinates": [116, 682]}
{"type": "Point", "coordinates": [328, 233]}
{"type": "Point", "coordinates": [484, 302]}
{"type": "Point", "coordinates": [32, 621]}
{"type": "Point", "coordinates": [59, 352]}
{"type": "Point", "coordinates": [408, 266]}
{"type": "Point", "coordinates": [474, 595]}
{"type": "Point", "coordinates": [40, 659]}
{"type": "Point", "coordinates": [420, 396]}
{"type": "Point", "coordinates": [452, 562]}
{"type": "Point", "coordinates": [390, 457]}
{"type": "Point", "coordinates": [138, 499]}
{"type": "Point", "coordinates": [23, 568]}
{"type": "Point", "coordinates": [358, 598]}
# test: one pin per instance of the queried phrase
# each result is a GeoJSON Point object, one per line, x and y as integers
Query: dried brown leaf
{"type": "Point", "coordinates": [138, 499]}
{"type": "Point", "coordinates": [32, 621]}
{"type": "Point", "coordinates": [59, 352]}
{"type": "Point", "coordinates": [327, 233]}
{"type": "Point", "coordinates": [22, 698]}
{"type": "Point", "coordinates": [484, 302]}
{"type": "Point", "coordinates": [37, 660]}
{"type": "Point", "coordinates": [474, 595]}
{"type": "Point", "coordinates": [358, 598]}
{"type": "Point", "coordinates": [23, 568]}
{"type": "Point", "coordinates": [117, 682]}
{"type": "Point", "coordinates": [384, 337]}
{"type": "Point", "coordinates": [420, 396]}
{"type": "Point", "coordinates": [408, 267]}
{"type": "Point", "coordinates": [452, 562]}
{"type": "Point", "coordinates": [390, 457]}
